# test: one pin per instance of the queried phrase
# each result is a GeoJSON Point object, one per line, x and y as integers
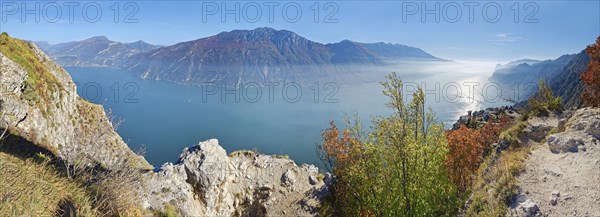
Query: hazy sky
{"type": "Point", "coordinates": [497, 31]}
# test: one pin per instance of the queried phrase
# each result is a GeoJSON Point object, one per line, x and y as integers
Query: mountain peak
{"type": "Point", "coordinates": [265, 29]}
{"type": "Point", "coordinates": [97, 39]}
{"type": "Point", "coordinates": [261, 32]}
{"type": "Point", "coordinates": [346, 41]}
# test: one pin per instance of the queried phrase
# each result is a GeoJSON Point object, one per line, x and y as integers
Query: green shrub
{"type": "Point", "coordinates": [544, 101]}
{"type": "Point", "coordinates": [512, 133]}
{"type": "Point", "coordinates": [169, 211]}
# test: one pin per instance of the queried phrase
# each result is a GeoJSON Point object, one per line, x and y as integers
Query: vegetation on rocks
{"type": "Point", "coordinates": [36, 183]}
{"type": "Point", "coordinates": [543, 101]}
{"type": "Point", "coordinates": [510, 135]}
{"type": "Point", "coordinates": [467, 147]}
{"type": "Point", "coordinates": [495, 184]}
{"type": "Point", "coordinates": [40, 84]}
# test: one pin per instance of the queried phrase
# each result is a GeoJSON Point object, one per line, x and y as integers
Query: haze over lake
{"type": "Point", "coordinates": [166, 117]}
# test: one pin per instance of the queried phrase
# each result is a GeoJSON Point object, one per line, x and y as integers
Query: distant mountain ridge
{"type": "Point", "coordinates": [94, 51]}
{"type": "Point", "coordinates": [562, 75]}
{"type": "Point", "coordinates": [512, 64]}
{"type": "Point", "coordinates": [525, 74]}
{"type": "Point", "coordinates": [259, 55]}
{"type": "Point", "coordinates": [567, 82]}
{"type": "Point", "coordinates": [266, 54]}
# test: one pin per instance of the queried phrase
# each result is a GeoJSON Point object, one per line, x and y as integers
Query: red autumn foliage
{"type": "Point", "coordinates": [466, 149]}
{"type": "Point", "coordinates": [335, 150]}
{"type": "Point", "coordinates": [591, 77]}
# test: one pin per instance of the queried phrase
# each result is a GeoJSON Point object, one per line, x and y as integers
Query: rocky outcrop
{"type": "Point", "coordinates": [60, 121]}
{"type": "Point", "coordinates": [483, 116]}
{"type": "Point", "coordinates": [574, 137]}
{"type": "Point", "coordinates": [561, 175]}
{"type": "Point", "coordinates": [566, 142]}
{"type": "Point", "coordinates": [208, 182]}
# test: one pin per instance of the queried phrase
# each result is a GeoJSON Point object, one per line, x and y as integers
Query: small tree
{"type": "Point", "coordinates": [398, 169]}
{"type": "Point", "coordinates": [591, 77]}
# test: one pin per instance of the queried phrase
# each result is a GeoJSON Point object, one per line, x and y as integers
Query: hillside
{"type": "Point", "coordinates": [522, 73]}
{"type": "Point", "coordinates": [567, 82]}
{"type": "Point", "coordinates": [39, 102]}
{"type": "Point", "coordinates": [97, 51]}
{"type": "Point", "coordinates": [266, 54]}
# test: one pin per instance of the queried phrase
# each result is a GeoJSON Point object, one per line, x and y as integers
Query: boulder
{"type": "Point", "coordinates": [313, 180]}
{"type": "Point", "coordinates": [288, 179]}
{"type": "Point", "coordinates": [206, 168]}
{"type": "Point", "coordinates": [565, 142]}
{"type": "Point", "coordinates": [586, 120]}
{"type": "Point", "coordinates": [528, 208]}
{"type": "Point", "coordinates": [167, 185]}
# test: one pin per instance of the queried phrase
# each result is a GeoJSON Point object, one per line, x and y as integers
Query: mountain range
{"type": "Point", "coordinates": [525, 74]}
{"type": "Point", "coordinates": [561, 74]}
{"type": "Point", "coordinates": [259, 55]}
{"type": "Point", "coordinates": [95, 51]}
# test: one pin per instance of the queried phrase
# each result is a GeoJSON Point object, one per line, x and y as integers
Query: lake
{"type": "Point", "coordinates": [165, 117]}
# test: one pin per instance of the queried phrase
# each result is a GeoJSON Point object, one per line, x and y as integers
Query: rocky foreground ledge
{"type": "Point", "coordinates": [208, 182]}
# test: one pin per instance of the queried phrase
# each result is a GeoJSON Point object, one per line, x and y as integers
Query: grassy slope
{"type": "Point", "coordinates": [40, 83]}
{"type": "Point", "coordinates": [496, 184]}
{"type": "Point", "coordinates": [30, 186]}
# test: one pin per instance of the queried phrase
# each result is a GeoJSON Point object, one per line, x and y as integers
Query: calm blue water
{"type": "Point", "coordinates": [165, 117]}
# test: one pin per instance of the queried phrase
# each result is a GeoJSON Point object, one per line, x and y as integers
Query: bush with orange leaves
{"type": "Point", "coordinates": [466, 149]}
{"type": "Point", "coordinates": [335, 150]}
{"type": "Point", "coordinates": [591, 77]}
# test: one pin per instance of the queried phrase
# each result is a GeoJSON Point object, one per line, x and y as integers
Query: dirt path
{"type": "Point", "coordinates": [562, 176]}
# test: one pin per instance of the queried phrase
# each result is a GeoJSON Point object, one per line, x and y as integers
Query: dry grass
{"type": "Point", "coordinates": [33, 187]}
{"type": "Point", "coordinates": [495, 184]}
{"type": "Point", "coordinates": [36, 184]}
{"type": "Point", "coordinates": [247, 153]}
{"type": "Point", "coordinates": [115, 192]}
{"type": "Point", "coordinates": [511, 134]}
